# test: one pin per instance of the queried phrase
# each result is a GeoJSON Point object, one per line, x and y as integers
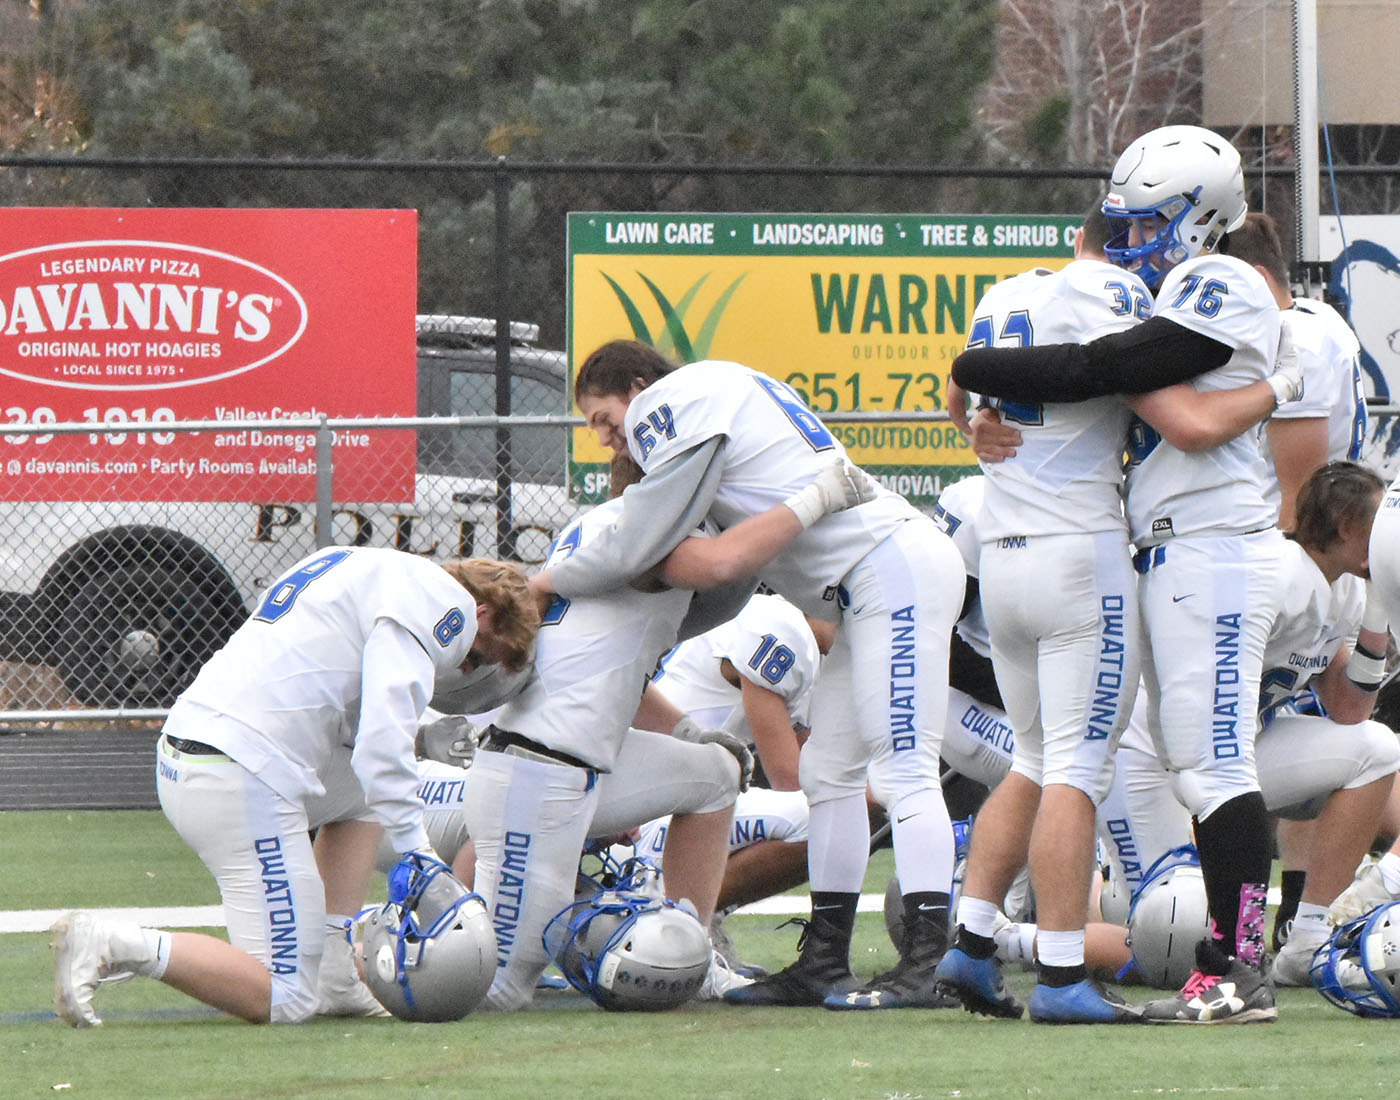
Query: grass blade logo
{"type": "Point", "coordinates": [673, 338]}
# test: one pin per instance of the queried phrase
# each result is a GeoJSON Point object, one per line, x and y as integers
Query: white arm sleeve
{"type": "Point", "coordinates": [396, 680]}
{"type": "Point", "coordinates": [658, 511]}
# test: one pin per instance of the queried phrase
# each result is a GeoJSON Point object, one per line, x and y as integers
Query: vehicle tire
{"type": "Point", "coordinates": [134, 634]}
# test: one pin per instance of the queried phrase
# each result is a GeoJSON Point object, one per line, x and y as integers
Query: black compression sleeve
{"type": "Point", "coordinates": [1146, 357]}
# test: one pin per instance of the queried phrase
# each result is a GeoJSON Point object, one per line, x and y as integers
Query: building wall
{"type": "Point", "coordinates": [1248, 59]}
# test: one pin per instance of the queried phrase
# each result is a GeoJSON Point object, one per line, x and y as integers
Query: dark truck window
{"type": "Point", "coordinates": [457, 377]}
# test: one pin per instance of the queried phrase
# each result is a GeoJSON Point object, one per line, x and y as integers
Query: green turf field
{"type": "Point", "coordinates": [157, 1044]}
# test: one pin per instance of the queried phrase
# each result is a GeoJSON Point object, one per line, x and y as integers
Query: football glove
{"type": "Point", "coordinates": [840, 485]}
{"type": "Point", "coordinates": [1287, 379]}
{"type": "Point", "coordinates": [687, 729]}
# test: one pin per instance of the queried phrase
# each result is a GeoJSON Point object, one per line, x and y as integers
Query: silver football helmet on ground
{"type": "Point", "coordinates": [628, 948]}
{"type": "Point", "coordinates": [1358, 969]}
{"type": "Point", "coordinates": [1115, 899]}
{"type": "Point", "coordinates": [1168, 917]}
{"type": "Point", "coordinates": [430, 951]}
{"type": "Point", "coordinates": [1182, 189]}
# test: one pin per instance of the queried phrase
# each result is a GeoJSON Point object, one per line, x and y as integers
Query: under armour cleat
{"type": "Point", "coordinates": [1241, 995]}
{"type": "Point", "coordinates": [87, 951]}
{"type": "Point", "coordinates": [793, 986]}
{"type": "Point", "coordinates": [822, 967]}
{"type": "Point", "coordinates": [904, 986]}
{"type": "Point", "coordinates": [1366, 891]}
{"type": "Point", "coordinates": [1083, 1002]}
{"type": "Point", "coordinates": [977, 984]}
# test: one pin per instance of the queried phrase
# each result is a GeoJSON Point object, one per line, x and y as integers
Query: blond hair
{"type": "Point", "coordinates": [501, 586]}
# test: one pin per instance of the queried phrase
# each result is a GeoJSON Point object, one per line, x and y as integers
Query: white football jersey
{"type": "Point", "coordinates": [1067, 474]}
{"type": "Point", "coordinates": [957, 511]}
{"type": "Point", "coordinates": [769, 644]}
{"type": "Point", "coordinates": [1219, 491]}
{"type": "Point", "coordinates": [339, 656]}
{"type": "Point", "coordinates": [592, 658]}
{"type": "Point", "coordinates": [774, 446]}
{"type": "Point", "coordinates": [1315, 620]}
{"type": "Point", "coordinates": [1330, 355]}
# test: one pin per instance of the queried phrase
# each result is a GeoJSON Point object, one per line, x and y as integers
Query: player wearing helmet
{"type": "Point", "coordinates": [1208, 553]}
{"type": "Point", "coordinates": [1060, 495]}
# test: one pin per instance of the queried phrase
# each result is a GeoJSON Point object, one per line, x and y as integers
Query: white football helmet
{"type": "Point", "coordinates": [1182, 189]}
{"type": "Point", "coordinates": [430, 951]}
{"type": "Point", "coordinates": [629, 949]}
{"type": "Point", "coordinates": [1115, 899]}
{"type": "Point", "coordinates": [1168, 917]}
{"type": "Point", "coordinates": [1358, 969]}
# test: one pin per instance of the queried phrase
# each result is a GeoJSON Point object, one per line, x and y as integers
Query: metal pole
{"type": "Point", "coordinates": [1305, 127]}
{"type": "Point", "coordinates": [500, 184]}
{"type": "Point", "coordinates": [325, 467]}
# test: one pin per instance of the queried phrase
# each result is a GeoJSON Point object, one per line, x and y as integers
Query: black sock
{"type": "Point", "coordinates": [1060, 975]}
{"type": "Point", "coordinates": [1236, 848]}
{"type": "Point", "coordinates": [1291, 887]}
{"type": "Point", "coordinates": [925, 923]}
{"type": "Point", "coordinates": [979, 947]}
{"type": "Point", "coordinates": [926, 905]}
{"type": "Point", "coordinates": [837, 910]}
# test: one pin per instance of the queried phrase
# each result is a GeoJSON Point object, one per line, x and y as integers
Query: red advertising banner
{"type": "Point", "coordinates": [114, 315]}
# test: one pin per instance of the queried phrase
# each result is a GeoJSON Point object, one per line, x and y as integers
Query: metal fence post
{"type": "Point", "coordinates": [325, 468]}
{"type": "Point", "coordinates": [500, 186]}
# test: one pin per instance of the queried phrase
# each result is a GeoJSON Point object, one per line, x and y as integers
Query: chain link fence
{"type": "Point", "coordinates": [108, 608]}
{"type": "Point", "coordinates": [112, 606]}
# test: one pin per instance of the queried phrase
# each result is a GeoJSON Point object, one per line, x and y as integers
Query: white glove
{"type": "Point", "coordinates": [687, 729]}
{"type": "Point", "coordinates": [1287, 379]}
{"type": "Point", "coordinates": [839, 486]}
{"type": "Point", "coordinates": [736, 749]}
{"type": "Point", "coordinates": [1365, 668]}
{"type": "Point", "coordinates": [450, 739]}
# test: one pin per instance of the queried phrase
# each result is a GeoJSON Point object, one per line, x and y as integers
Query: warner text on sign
{"type": "Point", "coordinates": [858, 313]}
{"type": "Point", "coordinates": [117, 315]}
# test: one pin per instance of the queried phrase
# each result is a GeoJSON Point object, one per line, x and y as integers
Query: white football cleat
{"type": "Point", "coordinates": [1293, 965]}
{"type": "Point", "coordinates": [720, 979]}
{"type": "Point", "coordinates": [87, 950]}
{"type": "Point", "coordinates": [339, 990]}
{"type": "Point", "coordinates": [1366, 891]}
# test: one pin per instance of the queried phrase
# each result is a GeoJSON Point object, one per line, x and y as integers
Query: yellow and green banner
{"type": "Point", "coordinates": [858, 312]}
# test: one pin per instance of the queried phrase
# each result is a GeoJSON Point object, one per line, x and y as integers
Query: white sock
{"type": "Point", "coordinates": [978, 916]}
{"type": "Point", "coordinates": [1389, 865]}
{"type": "Point", "coordinates": [337, 926]}
{"type": "Point", "coordinates": [1310, 927]}
{"type": "Point", "coordinates": [159, 942]}
{"type": "Point", "coordinates": [1060, 948]}
{"type": "Point", "coordinates": [838, 844]}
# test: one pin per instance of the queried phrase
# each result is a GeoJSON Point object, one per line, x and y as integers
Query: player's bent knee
{"type": "Point", "coordinates": [1380, 753]}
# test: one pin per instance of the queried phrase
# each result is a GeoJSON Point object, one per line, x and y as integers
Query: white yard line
{"type": "Point", "coordinates": [212, 916]}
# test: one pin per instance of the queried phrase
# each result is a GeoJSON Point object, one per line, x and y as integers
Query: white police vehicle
{"type": "Point", "coordinates": [127, 600]}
